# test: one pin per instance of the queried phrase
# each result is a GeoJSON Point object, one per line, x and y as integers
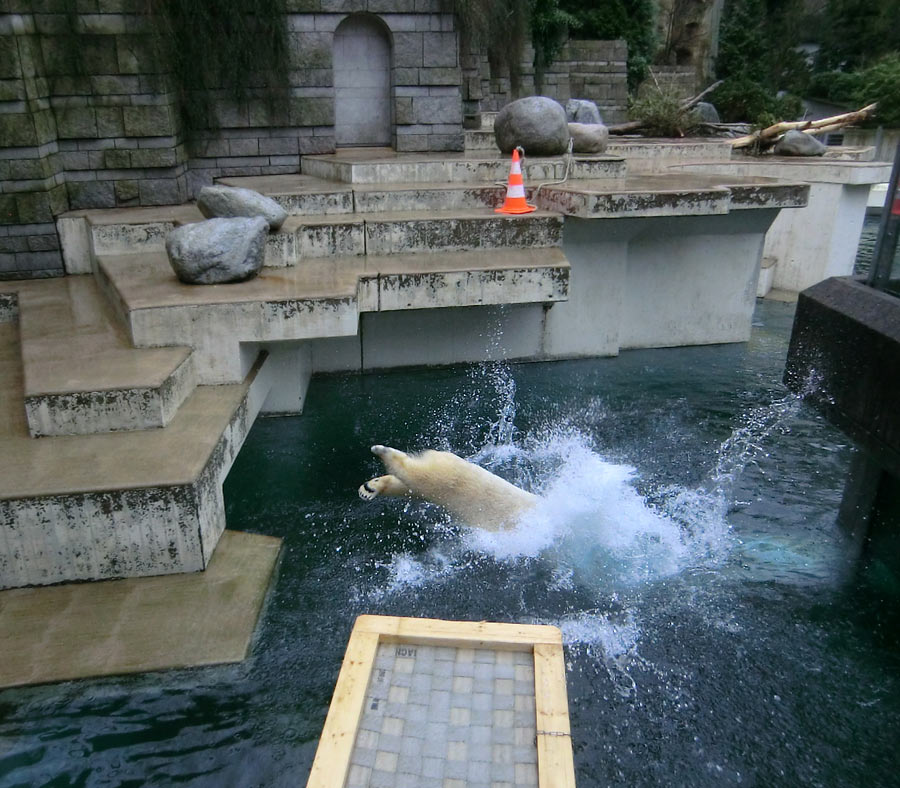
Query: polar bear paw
{"type": "Point", "coordinates": [382, 485]}
{"type": "Point", "coordinates": [368, 490]}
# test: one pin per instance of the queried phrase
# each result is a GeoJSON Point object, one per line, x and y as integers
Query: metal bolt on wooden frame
{"type": "Point", "coordinates": [555, 765]}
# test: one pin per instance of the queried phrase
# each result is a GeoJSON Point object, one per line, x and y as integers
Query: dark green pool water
{"type": "Point", "coordinates": [687, 546]}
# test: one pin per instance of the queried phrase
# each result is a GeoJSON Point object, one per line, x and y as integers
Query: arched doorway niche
{"type": "Point", "coordinates": [362, 82]}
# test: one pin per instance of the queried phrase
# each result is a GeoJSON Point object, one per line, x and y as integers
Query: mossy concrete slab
{"type": "Point", "coordinates": [85, 630]}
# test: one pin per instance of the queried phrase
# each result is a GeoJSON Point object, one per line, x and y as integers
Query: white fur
{"type": "Point", "coordinates": [469, 492]}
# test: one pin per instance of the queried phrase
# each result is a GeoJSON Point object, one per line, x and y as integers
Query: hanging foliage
{"type": "Point", "coordinates": [550, 26]}
{"type": "Point", "coordinates": [239, 47]}
{"type": "Point", "coordinates": [633, 20]}
{"type": "Point", "coordinates": [498, 27]}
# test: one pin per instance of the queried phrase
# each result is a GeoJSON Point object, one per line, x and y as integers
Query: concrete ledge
{"type": "Point", "coordinates": [303, 238]}
{"type": "Point", "coordinates": [110, 410]}
{"type": "Point", "coordinates": [659, 196]}
{"type": "Point", "coordinates": [314, 300]}
{"type": "Point", "coordinates": [385, 166]}
{"type": "Point", "coordinates": [298, 194]}
{"type": "Point", "coordinates": [819, 240]}
{"type": "Point", "coordinates": [319, 299]}
{"type": "Point", "coordinates": [518, 276]}
{"type": "Point", "coordinates": [81, 374]}
{"type": "Point", "coordinates": [126, 230]}
{"type": "Point", "coordinates": [118, 504]}
{"type": "Point", "coordinates": [411, 233]}
{"type": "Point", "coordinates": [86, 630]}
{"type": "Point", "coordinates": [419, 197]}
{"type": "Point", "coordinates": [809, 169]}
{"type": "Point", "coordinates": [594, 200]}
{"type": "Point", "coordinates": [653, 155]}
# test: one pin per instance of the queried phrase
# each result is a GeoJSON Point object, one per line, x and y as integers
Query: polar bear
{"type": "Point", "coordinates": [469, 492]}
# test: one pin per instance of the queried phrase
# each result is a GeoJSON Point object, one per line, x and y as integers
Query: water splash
{"type": "Point", "coordinates": [611, 639]}
{"type": "Point", "coordinates": [591, 525]}
{"type": "Point", "coordinates": [746, 442]}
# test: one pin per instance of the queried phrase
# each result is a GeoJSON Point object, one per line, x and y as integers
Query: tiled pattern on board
{"type": "Point", "coordinates": [439, 717]}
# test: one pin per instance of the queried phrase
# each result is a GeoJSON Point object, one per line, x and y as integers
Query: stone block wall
{"type": "Point", "coordinates": [680, 80]}
{"type": "Point", "coordinates": [595, 70]}
{"type": "Point", "coordinates": [32, 180]}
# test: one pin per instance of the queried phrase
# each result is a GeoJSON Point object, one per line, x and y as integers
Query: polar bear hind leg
{"type": "Point", "coordinates": [469, 492]}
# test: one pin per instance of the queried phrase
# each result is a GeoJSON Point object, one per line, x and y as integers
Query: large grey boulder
{"type": "Point", "coordinates": [589, 137]}
{"type": "Point", "coordinates": [706, 113]}
{"type": "Point", "coordinates": [796, 143]}
{"type": "Point", "coordinates": [218, 251]}
{"type": "Point", "coordinates": [537, 123]}
{"type": "Point", "coordinates": [230, 201]}
{"type": "Point", "coordinates": [582, 111]}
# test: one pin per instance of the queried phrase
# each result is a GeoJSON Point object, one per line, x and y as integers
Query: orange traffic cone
{"type": "Point", "coordinates": [515, 191]}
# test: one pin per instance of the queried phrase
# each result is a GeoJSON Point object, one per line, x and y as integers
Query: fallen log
{"type": "Point", "coordinates": [768, 136]}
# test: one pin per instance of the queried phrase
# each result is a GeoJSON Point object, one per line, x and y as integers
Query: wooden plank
{"type": "Point", "coordinates": [332, 761]}
{"type": "Point", "coordinates": [556, 766]}
{"type": "Point", "coordinates": [462, 634]}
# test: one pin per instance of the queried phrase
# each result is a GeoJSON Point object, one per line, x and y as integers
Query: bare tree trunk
{"type": "Point", "coordinates": [768, 136]}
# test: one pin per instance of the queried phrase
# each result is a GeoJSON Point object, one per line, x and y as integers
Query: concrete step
{"type": "Point", "coordinates": [313, 300]}
{"type": "Point", "coordinates": [383, 166]}
{"type": "Point", "coordinates": [128, 230]}
{"type": "Point", "coordinates": [468, 222]}
{"type": "Point", "coordinates": [81, 374]}
{"type": "Point", "coordinates": [481, 121]}
{"type": "Point", "coordinates": [427, 281]}
{"type": "Point", "coordinates": [458, 231]}
{"type": "Point", "coordinates": [321, 299]}
{"type": "Point", "coordinates": [378, 198]}
{"type": "Point", "coordinates": [123, 231]}
{"type": "Point", "coordinates": [299, 194]}
{"type": "Point", "coordinates": [648, 196]}
{"type": "Point", "coordinates": [481, 140]}
{"type": "Point", "coordinates": [88, 507]}
{"type": "Point", "coordinates": [304, 238]}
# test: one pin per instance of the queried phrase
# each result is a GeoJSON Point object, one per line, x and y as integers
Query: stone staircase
{"type": "Point", "coordinates": [125, 395]}
{"type": "Point", "coordinates": [138, 391]}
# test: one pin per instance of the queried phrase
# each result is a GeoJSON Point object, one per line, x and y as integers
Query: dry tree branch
{"type": "Point", "coordinates": [769, 135]}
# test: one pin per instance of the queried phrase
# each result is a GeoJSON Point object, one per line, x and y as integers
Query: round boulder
{"type": "Point", "coordinates": [589, 137]}
{"type": "Point", "coordinates": [706, 113]}
{"type": "Point", "coordinates": [537, 123]}
{"type": "Point", "coordinates": [231, 201]}
{"type": "Point", "coordinates": [218, 251]}
{"type": "Point", "coordinates": [582, 111]}
{"type": "Point", "coordinates": [796, 143]}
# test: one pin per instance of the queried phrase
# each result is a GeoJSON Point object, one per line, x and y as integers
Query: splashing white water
{"type": "Point", "coordinates": [591, 524]}
{"type": "Point", "coordinates": [614, 640]}
{"type": "Point", "coordinates": [590, 520]}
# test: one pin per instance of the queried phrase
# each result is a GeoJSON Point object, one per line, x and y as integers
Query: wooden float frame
{"type": "Point", "coordinates": [556, 768]}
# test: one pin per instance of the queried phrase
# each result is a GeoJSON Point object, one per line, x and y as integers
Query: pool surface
{"type": "Point", "coordinates": [686, 544]}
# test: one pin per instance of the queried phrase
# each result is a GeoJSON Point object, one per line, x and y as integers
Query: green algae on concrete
{"type": "Point", "coordinates": [84, 630]}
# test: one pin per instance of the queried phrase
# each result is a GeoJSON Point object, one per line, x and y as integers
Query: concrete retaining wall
{"type": "Point", "coordinates": [634, 283]}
